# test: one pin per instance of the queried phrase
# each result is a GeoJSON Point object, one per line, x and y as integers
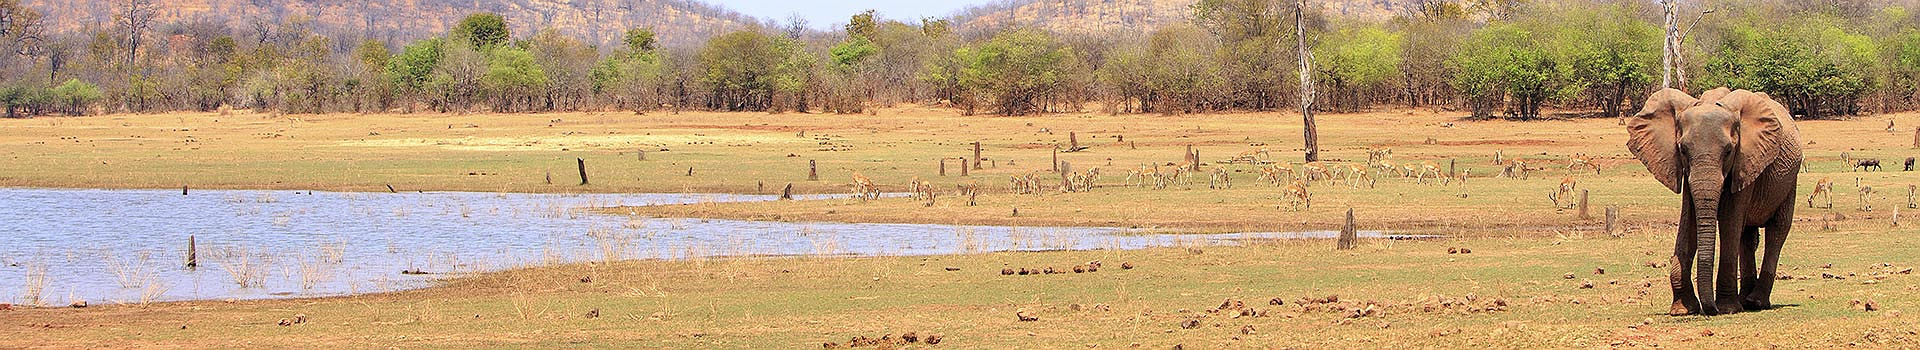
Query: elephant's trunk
{"type": "Point", "coordinates": [1706, 211]}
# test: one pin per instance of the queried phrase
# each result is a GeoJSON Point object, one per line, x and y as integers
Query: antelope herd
{"type": "Point", "coordinates": [1296, 179]}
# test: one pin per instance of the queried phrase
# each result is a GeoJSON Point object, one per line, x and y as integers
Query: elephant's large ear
{"type": "Point", "coordinates": [1762, 126]}
{"type": "Point", "coordinates": [1653, 135]}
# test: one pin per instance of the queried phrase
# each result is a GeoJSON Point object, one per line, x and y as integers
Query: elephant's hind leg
{"type": "Point", "coordinates": [1749, 279]}
{"type": "Point", "coordinates": [1761, 296]}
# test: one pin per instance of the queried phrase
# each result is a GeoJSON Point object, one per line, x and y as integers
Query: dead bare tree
{"type": "Point", "coordinates": [135, 17]}
{"type": "Point", "coordinates": [1306, 79]}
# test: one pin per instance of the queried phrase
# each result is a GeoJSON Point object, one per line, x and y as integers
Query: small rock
{"type": "Point", "coordinates": [299, 318]}
{"type": "Point", "coordinates": [910, 337]}
{"type": "Point", "coordinates": [1706, 332]}
{"type": "Point", "coordinates": [1586, 285]}
{"type": "Point", "coordinates": [586, 279]}
{"type": "Point", "coordinates": [829, 345]}
{"type": "Point", "coordinates": [1074, 307]}
{"type": "Point", "coordinates": [1026, 317]}
{"type": "Point", "coordinates": [1276, 302]}
{"type": "Point", "coordinates": [1247, 330]}
{"type": "Point", "coordinates": [285, 322]}
{"type": "Point", "coordinates": [1569, 275]}
{"type": "Point", "coordinates": [78, 304]}
{"type": "Point", "coordinates": [1466, 251]}
{"type": "Point", "coordinates": [1452, 250]}
{"type": "Point", "coordinates": [950, 268]}
{"type": "Point", "coordinates": [1079, 269]}
{"type": "Point", "coordinates": [1126, 265]}
{"type": "Point", "coordinates": [1007, 271]}
{"type": "Point", "coordinates": [6, 307]}
{"type": "Point", "coordinates": [594, 313]}
{"type": "Point", "coordinates": [1870, 306]}
{"type": "Point", "coordinates": [1647, 321]}
{"type": "Point", "coordinates": [1599, 271]}
{"type": "Point", "coordinates": [1190, 324]}
{"type": "Point", "coordinates": [1827, 266]}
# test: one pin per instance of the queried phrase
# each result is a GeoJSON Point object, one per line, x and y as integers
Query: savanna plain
{"type": "Point", "coordinates": [1515, 263]}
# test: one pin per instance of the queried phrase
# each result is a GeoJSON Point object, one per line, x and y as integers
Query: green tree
{"type": "Point", "coordinates": [745, 69]}
{"type": "Point", "coordinates": [1815, 67]}
{"type": "Point", "coordinates": [1510, 61]}
{"type": "Point", "coordinates": [1018, 69]}
{"type": "Point", "coordinates": [1252, 57]}
{"type": "Point", "coordinates": [512, 78]}
{"type": "Point", "coordinates": [75, 97]}
{"type": "Point", "coordinates": [482, 31]}
{"type": "Point", "coordinates": [1356, 60]}
{"type": "Point", "coordinates": [1612, 53]}
{"type": "Point", "coordinates": [411, 72]}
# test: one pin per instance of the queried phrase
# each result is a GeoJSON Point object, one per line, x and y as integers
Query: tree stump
{"type": "Point", "coordinates": [1450, 169]}
{"type": "Point", "coordinates": [1348, 234]}
{"type": "Point", "coordinates": [183, 190]}
{"type": "Point", "coordinates": [1613, 219]}
{"type": "Point", "coordinates": [549, 181]}
{"type": "Point", "coordinates": [786, 194]}
{"type": "Point", "coordinates": [583, 170]}
{"type": "Point", "coordinates": [976, 155]}
{"type": "Point", "coordinates": [943, 167]}
{"type": "Point", "coordinates": [1583, 206]}
{"type": "Point", "coordinates": [1056, 159]}
{"type": "Point", "coordinates": [964, 167]}
{"type": "Point", "coordinates": [640, 154]}
{"type": "Point", "coordinates": [813, 171]}
{"type": "Point", "coordinates": [689, 171]}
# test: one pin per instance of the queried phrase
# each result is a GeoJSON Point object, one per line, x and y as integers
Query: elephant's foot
{"type": "Point", "coordinates": [1756, 303]}
{"type": "Point", "coordinates": [1680, 308]}
{"type": "Point", "coordinates": [1728, 306]}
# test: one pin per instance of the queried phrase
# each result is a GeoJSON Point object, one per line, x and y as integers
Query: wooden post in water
{"type": "Point", "coordinates": [787, 193]}
{"type": "Point", "coordinates": [1348, 234]}
{"type": "Point", "coordinates": [976, 155]}
{"type": "Point", "coordinates": [390, 189]}
{"type": "Point", "coordinates": [183, 190]}
{"type": "Point", "coordinates": [193, 257]}
{"type": "Point", "coordinates": [1583, 206]}
{"type": "Point", "coordinates": [583, 170]}
{"type": "Point", "coordinates": [813, 171]}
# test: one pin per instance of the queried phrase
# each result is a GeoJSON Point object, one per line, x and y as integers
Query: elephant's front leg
{"type": "Point", "coordinates": [1726, 282]}
{"type": "Point", "coordinates": [1685, 301]}
{"type": "Point", "coordinates": [1749, 278]}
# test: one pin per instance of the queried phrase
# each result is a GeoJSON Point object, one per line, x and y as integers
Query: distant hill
{"type": "Point", "coordinates": [597, 21]}
{"type": "Point", "coordinates": [1096, 16]}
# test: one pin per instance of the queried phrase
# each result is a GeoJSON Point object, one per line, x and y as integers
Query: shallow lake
{"type": "Point", "coordinates": [124, 246]}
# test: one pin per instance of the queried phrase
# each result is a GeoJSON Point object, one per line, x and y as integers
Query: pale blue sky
{"type": "Point", "coordinates": [825, 14]}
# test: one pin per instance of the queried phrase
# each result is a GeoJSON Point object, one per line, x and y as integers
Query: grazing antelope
{"type": "Point", "coordinates": [1911, 204]}
{"type": "Point", "coordinates": [1375, 156]}
{"type": "Point", "coordinates": [1297, 195]}
{"type": "Point", "coordinates": [1866, 198]}
{"type": "Point", "coordinates": [1580, 161]}
{"type": "Point", "coordinates": [1359, 176]}
{"type": "Point", "coordinates": [1083, 181]}
{"type": "Point", "coordinates": [864, 187]}
{"type": "Point", "coordinates": [969, 190]}
{"type": "Point", "coordinates": [1567, 186]}
{"type": "Point", "coordinates": [1409, 170]}
{"type": "Point", "coordinates": [1824, 187]}
{"type": "Point", "coordinates": [1027, 183]}
{"type": "Point", "coordinates": [1253, 156]}
{"type": "Point", "coordinates": [1220, 179]}
{"type": "Point", "coordinates": [1429, 168]}
{"type": "Point", "coordinates": [1315, 171]}
{"type": "Point", "coordinates": [1386, 167]}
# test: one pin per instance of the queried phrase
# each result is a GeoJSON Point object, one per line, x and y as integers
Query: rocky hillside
{"type": "Point", "coordinates": [599, 21]}
{"type": "Point", "coordinates": [1096, 16]}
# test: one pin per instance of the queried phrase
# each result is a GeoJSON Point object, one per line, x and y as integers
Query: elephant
{"type": "Point", "coordinates": [1734, 157]}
